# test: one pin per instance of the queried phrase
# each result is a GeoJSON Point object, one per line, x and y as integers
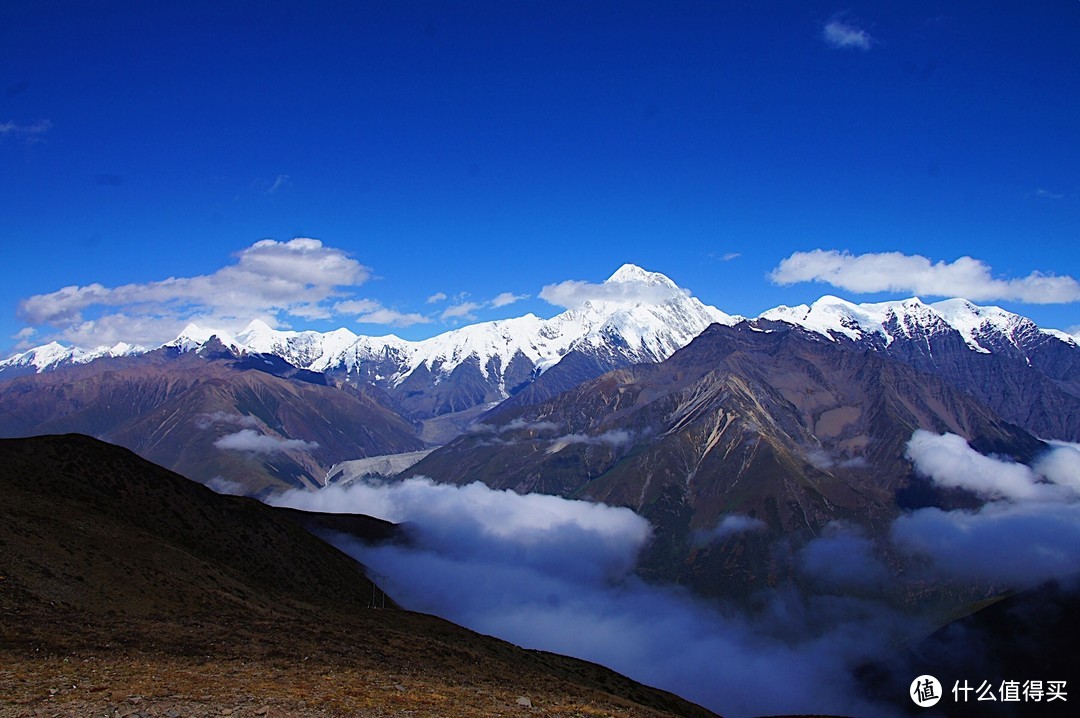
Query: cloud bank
{"type": "Point", "coordinates": [275, 281]}
{"type": "Point", "coordinates": [896, 272]}
{"type": "Point", "coordinates": [555, 574]}
{"type": "Point", "coordinates": [1026, 534]}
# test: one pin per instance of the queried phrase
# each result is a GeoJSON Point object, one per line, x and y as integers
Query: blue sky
{"type": "Point", "coordinates": [484, 150]}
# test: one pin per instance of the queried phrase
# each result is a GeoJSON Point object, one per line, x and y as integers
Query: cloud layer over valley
{"type": "Point", "coordinates": [557, 574]}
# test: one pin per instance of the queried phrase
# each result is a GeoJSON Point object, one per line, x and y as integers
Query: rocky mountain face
{"type": "Point", "coordinates": [128, 589]}
{"type": "Point", "coordinates": [1028, 375]}
{"type": "Point", "coordinates": [786, 429]}
{"type": "Point", "coordinates": [251, 423]}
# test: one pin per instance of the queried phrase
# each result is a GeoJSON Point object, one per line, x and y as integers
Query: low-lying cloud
{"type": "Point", "coordinates": [616, 438]}
{"type": "Point", "coordinates": [896, 272]}
{"type": "Point", "coordinates": [555, 574]}
{"type": "Point", "coordinates": [253, 442]}
{"type": "Point", "coordinates": [215, 418]}
{"type": "Point", "coordinates": [729, 525]}
{"type": "Point", "coordinates": [1026, 534]}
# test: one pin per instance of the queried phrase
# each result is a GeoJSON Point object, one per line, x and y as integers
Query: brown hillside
{"type": "Point", "coordinates": [126, 589]}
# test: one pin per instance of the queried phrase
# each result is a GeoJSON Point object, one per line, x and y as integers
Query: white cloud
{"type": "Point", "coordinates": [950, 462]}
{"type": "Point", "coordinates": [392, 317]}
{"type": "Point", "coordinates": [1061, 465]}
{"type": "Point", "coordinates": [357, 306]}
{"type": "Point", "coordinates": [369, 311]}
{"type": "Point", "coordinates": [252, 441]}
{"type": "Point", "coordinates": [729, 525]}
{"type": "Point", "coordinates": [896, 272]}
{"type": "Point", "coordinates": [462, 310]}
{"type": "Point", "coordinates": [845, 34]}
{"type": "Point", "coordinates": [507, 298]}
{"type": "Point", "coordinates": [572, 294]}
{"type": "Point", "coordinates": [437, 297]}
{"type": "Point", "coordinates": [298, 278]}
{"type": "Point", "coordinates": [1026, 535]}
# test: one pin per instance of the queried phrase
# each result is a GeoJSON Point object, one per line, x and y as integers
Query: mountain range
{"type": "Point", "coordinates": [266, 409]}
{"type": "Point", "coordinates": [740, 440]}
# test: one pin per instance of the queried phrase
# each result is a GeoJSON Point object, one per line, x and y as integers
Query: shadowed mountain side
{"type": "Point", "coordinates": [787, 428]}
{"type": "Point", "coordinates": [125, 583]}
{"type": "Point", "coordinates": [1028, 636]}
{"type": "Point", "coordinates": [357, 526]}
{"type": "Point", "coordinates": [210, 416]}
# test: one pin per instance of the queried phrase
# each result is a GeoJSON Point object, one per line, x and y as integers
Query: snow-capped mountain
{"type": "Point", "coordinates": [983, 329]}
{"type": "Point", "coordinates": [644, 317]}
{"type": "Point", "coordinates": [1029, 375]}
{"type": "Point", "coordinates": [54, 354]}
{"type": "Point", "coordinates": [640, 316]}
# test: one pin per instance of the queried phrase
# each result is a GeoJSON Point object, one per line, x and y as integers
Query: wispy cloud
{"type": "Point", "coordinates": [507, 298]}
{"type": "Point", "coordinates": [215, 418]}
{"type": "Point", "coordinates": [1047, 194]}
{"type": "Point", "coordinates": [392, 318]}
{"type": "Point", "coordinates": [896, 272]}
{"type": "Point", "coordinates": [279, 182]}
{"type": "Point", "coordinates": [369, 311]}
{"type": "Point", "coordinates": [16, 129]}
{"type": "Point", "coordinates": [729, 525]}
{"type": "Point", "coordinates": [462, 310]}
{"type": "Point", "coordinates": [616, 438]}
{"type": "Point", "coordinates": [844, 34]}
{"type": "Point", "coordinates": [251, 441]}
{"type": "Point", "coordinates": [467, 310]}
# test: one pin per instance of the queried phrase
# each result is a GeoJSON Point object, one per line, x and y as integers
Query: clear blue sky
{"type": "Point", "coordinates": [478, 148]}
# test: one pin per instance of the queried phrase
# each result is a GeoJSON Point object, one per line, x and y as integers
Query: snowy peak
{"type": "Point", "coordinates": [53, 354]}
{"type": "Point", "coordinates": [633, 274]}
{"type": "Point", "coordinates": [194, 337]}
{"type": "Point", "coordinates": [983, 329]}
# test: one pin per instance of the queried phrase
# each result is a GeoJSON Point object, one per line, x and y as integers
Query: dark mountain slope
{"type": "Point", "coordinates": [125, 587]}
{"type": "Point", "coordinates": [785, 427]}
{"type": "Point", "coordinates": [1028, 636]}
{"type": "Point", "coordinates": [175, 409]}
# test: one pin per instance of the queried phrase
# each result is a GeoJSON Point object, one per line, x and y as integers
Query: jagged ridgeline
{"type": "Point", "coordinates": [264, 410]}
